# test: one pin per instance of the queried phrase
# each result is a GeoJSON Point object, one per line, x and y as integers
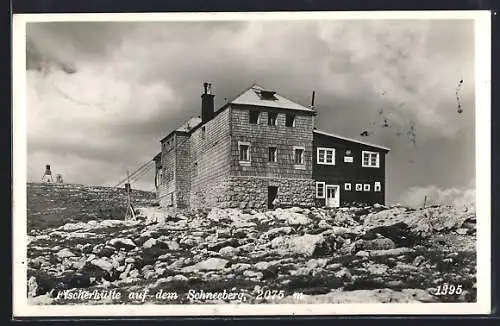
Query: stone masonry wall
{"type": "Point", "coordinates": [182, 170]}
{"type": "Point", "coordinates": [209, 160]}
{"type": "Point", "coordinates": [252, 192]}
{"type": "Point", "coordinates": [262, 136]}
{"type": "Point", "coordinates": [211, 194]}
{"type": "Point", "coordinates": [166, 188]}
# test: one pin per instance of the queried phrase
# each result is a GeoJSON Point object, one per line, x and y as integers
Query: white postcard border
{"type": "Point", "coordinates": [21, 308]}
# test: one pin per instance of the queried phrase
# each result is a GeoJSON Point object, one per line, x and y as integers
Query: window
{"type": "Point", "coordinates": [290, 120]}
{"type": "Point", "coordinates": [273, 154]}
{"type": "Point", "coordinates": [272, 119]}
{"type": "Point", "coordinates": [267, 95]}
{"type": "Point", "coordinates": [347, 186]}
{"type": "Point", "coordinates": [195, 169]}
{"type": "Point", "coordinates": [377, 187]}
{"type": "Point", "coordinates": [203, 132]}
{"type": "Point", "coordinates": [320, 190]}
{"type": "Point", "coordinates": [371, 159]}
{"type": "Point", "coordinates": [325, 156]}
{"type": "Point", "coordinates": [348, 156]}
{"type": "Point", "coordinates": [298, 155]}
{"type": "Point", "coordinates": [359, 187]}
{"type": "Point", "coordinates": [366, 187]}
{"type": "Point", "coordinates": [244, 149]}
{"type": "Point", "coordinates": [253, 117]}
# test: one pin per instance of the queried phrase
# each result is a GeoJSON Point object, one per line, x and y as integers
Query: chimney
{"type": "Point", "coordinates": [207, 103]}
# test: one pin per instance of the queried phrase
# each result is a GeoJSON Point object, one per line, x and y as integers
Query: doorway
{"type": "Point", "coordinates": [272, 193]}
{"type": "Point", "coordinates": [332, 195]}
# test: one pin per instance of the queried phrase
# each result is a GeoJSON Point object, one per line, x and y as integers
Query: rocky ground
{"type": "Point", "coordinates": [358, 254]}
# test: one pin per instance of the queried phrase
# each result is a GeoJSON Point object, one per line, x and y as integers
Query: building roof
{"type": "Point", "coordinates": [254, 95]}
{"type": "Point", "coordinates": [157, 156]}
{"type": "Point", "coordinates": [258, 96]}
{"type": "Point", "coordinates": [190, 124]}
{"type": "Point", "coordinates": [350, 139]}
{"type": "Point", "coordinates": [185, 127]}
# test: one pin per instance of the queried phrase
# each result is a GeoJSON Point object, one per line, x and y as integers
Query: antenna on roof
{"type": "Point", "coordinates": [312, 99]}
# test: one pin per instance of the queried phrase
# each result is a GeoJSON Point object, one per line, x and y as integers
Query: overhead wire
{"type": "Point", "coordinates": [141, 174]}
{"type": "Point", "coordinates": [138, 170]}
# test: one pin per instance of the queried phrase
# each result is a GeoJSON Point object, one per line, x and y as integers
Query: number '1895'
{"type": "Point", "coordinates": [449, 289]}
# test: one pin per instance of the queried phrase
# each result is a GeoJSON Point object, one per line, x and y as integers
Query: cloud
{"type": "Point", "coordinates": [404, 68]}
{"type": "Point", "coordinates": [415, 196]}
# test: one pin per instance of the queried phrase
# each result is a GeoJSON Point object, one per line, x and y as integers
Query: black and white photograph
{"type": "Point", "coordinates": [250, 164]}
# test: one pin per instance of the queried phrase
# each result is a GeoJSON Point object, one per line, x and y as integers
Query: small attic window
{"type": "Point", "coordinates": [267, 95]}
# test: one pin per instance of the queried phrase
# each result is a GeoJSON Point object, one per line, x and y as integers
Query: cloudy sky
{"type": "Point", "coordinates": [102, 95]}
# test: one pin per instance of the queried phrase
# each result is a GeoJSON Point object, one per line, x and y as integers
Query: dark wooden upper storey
{"type": "Point", "coordinates": [338, 157]}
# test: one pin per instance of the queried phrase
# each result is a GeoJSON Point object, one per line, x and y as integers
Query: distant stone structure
{"type": "Point", "coordinates": [59, 178]}
{"type": "Point", "coordinates": [47, 176]}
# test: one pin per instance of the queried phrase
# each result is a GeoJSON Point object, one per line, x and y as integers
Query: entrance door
{"type": "Point", "coordinates": [332, 195]}
{"type": "Point", "coordinates": [272, 193]}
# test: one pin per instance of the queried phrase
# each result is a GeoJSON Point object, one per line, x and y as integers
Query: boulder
{"type": "Point", "coordinates": [291, 217]}
{"type": "Point", "coordinates": [418, 260]}
{"type": "Point", "coordinates": [150, 243]}
{"type": "Point", "coordinates": [102, 264]}
{"type": "Point", "coordinates": [263, 265]}
{"type": "Point", "coordinates": [207, 265]}
{"type": "Point", "coordinates": [324, 225]}
{"type": "Point", "coordinates": [224, 243]}
{"type": "Point", "coordinates": [305, 245]}
{"type": "Point", "coordinates": [239, 267]}
{"type": "Point", "coordinates": [87, 248]}
{"type": "Point", "coordinates": [272, 233]}
{"type": "Point", "coordinates": [180, 278]}
{"type": "Point", "coordinates": [317, 263]}
{"type": "Point", "coordinates": [377, 269]}
{"type": "Point", "coordinates": [172, 245]}
{"type": "Point", "coordinates": [253, 275]}
{"type": "Point", "coordinates": [33, 287]}
{"type": "Point", "coordinates": [119, 243]}
{"type": "Point", "coordinates": [376, 244]}
{"type": "Point", "coordinates": [391, 252]}
{"type": "Point", "coordinates": [65, 253]}
{"type": "Point", "coordinates": [363, 253]}
{"type": "Point", "coordinates": [103, 251]}
{"type": "Point", "coordinates": [228, 251]}
{"type": "Point", "coordinates": [344, 275]}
